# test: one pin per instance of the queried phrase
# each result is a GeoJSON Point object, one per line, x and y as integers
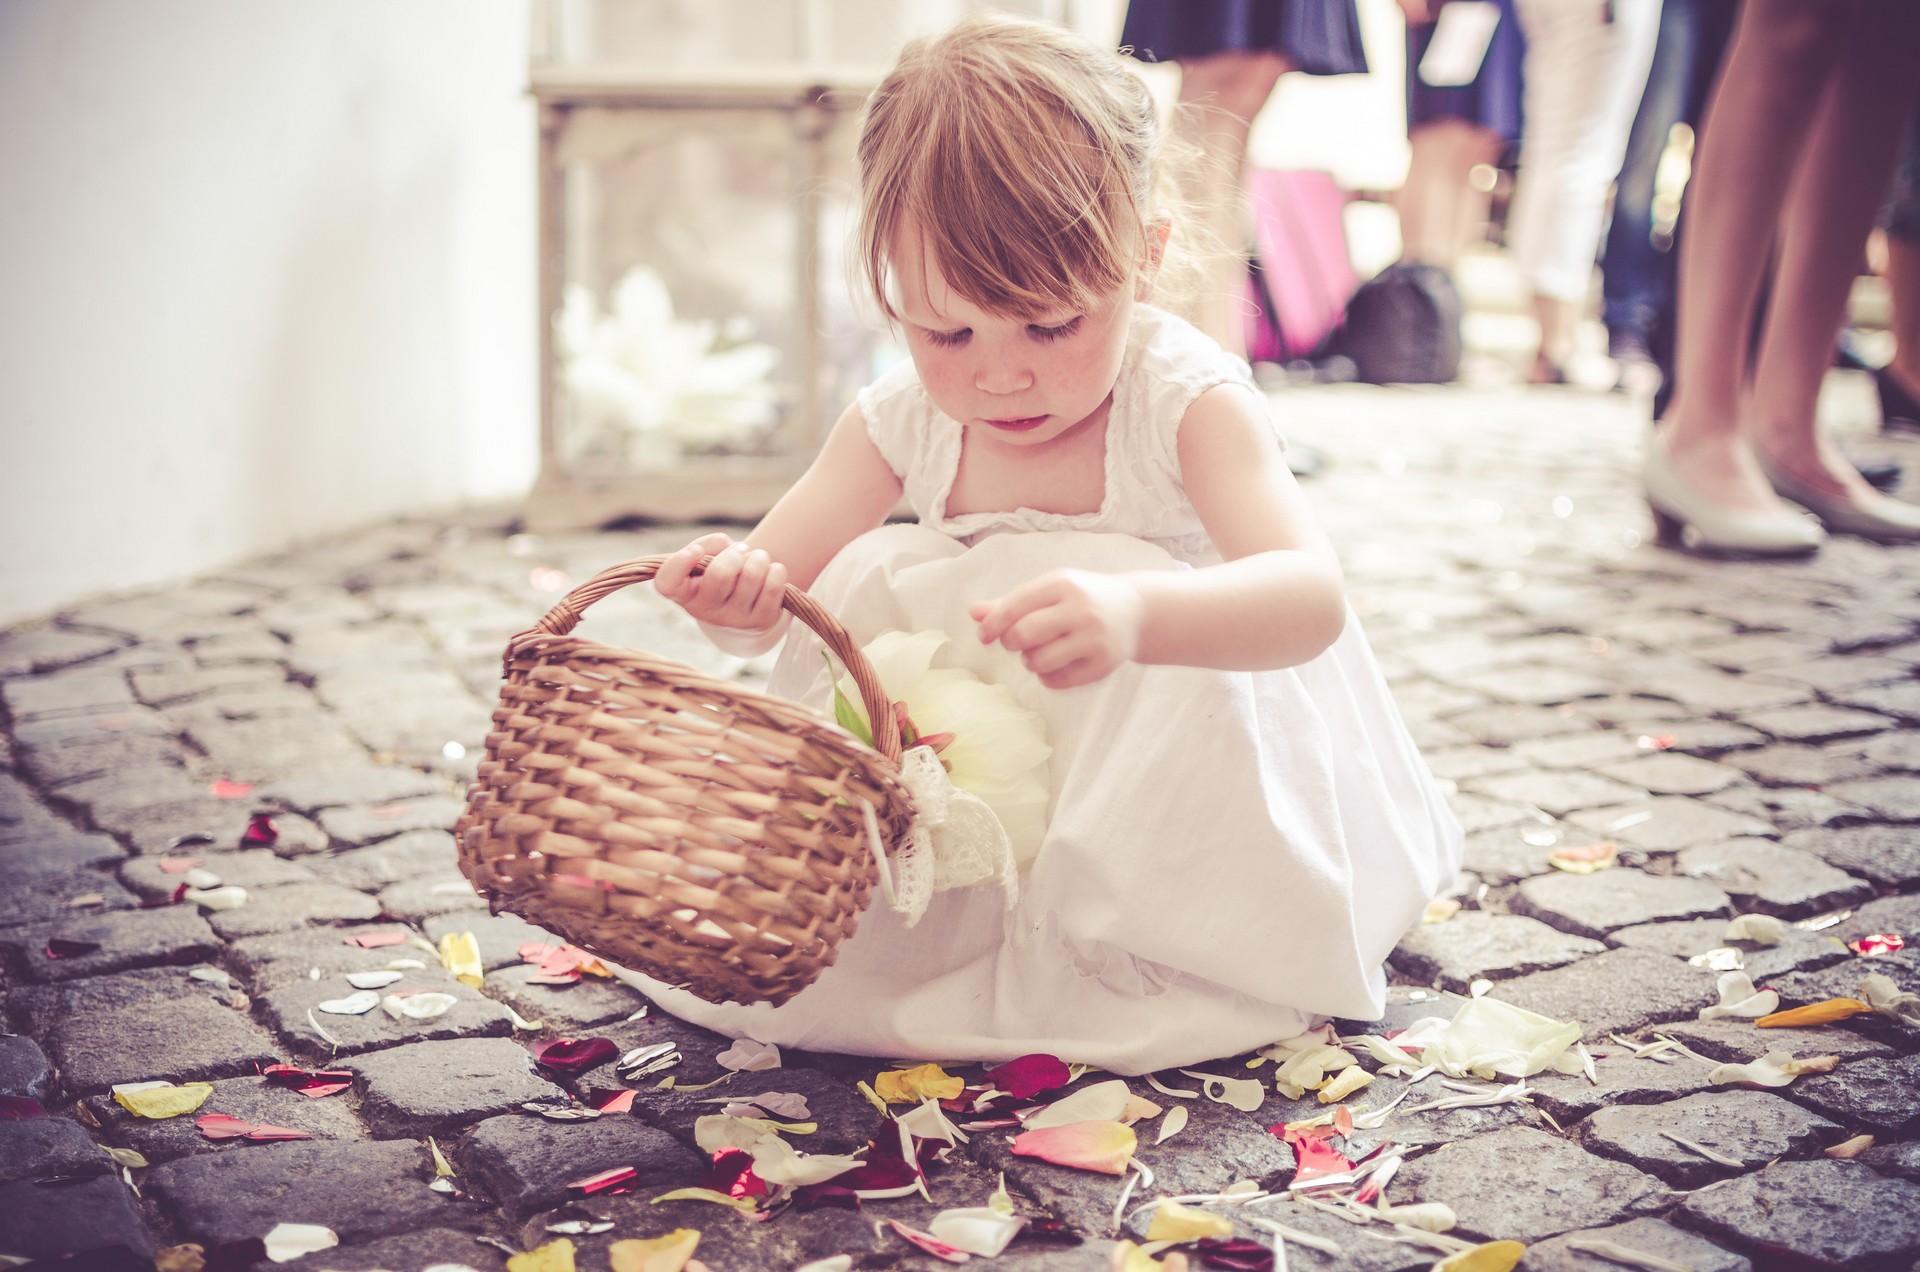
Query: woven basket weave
{"type": "Point", "coordinates": [702, 833]}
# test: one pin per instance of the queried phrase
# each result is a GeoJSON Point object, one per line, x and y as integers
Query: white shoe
{"type": "Point", "coordinates": [1685, 516]}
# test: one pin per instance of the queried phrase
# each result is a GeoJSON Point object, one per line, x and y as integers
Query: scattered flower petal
{"type": "Point", "coordinates": [418, 1006]}
{"type": "Point", "coordinates": [374, 980]}
{"type": "Point", "coordinates": [201, 877]}
{"type": "Point", "coordinates": [748, 1056]}
{"type": "Point", "coordinates": [612, 1101]}
{"type": "Point", "coordinates": [1440, 909]}
{"type": "Point", "coordinates": [20, 1108]}
{"type": "Point", "coordinates": [910, 1086]}
{"type": "Point", "coordinates": [1878, 943]}
{"type": "Point", "coordinates": [219, 1126]}
{"type": "Point", "coordinates": [1774, 1069]}
{"type": "Point", "coordinates": [1237, 1254]}
{"type": "Point", "coordinates": [981, 1230]}
{"type": "Point", "coordinates": [555, 1256]}
{"type": "Point", "coordinates": [1164, 1089]}
{"type": "Point", "coordinates": [787, 1104]}
{"type": "Point", "coordinates": [669, 1253]}
{"type": "Point", "coordinates": [313, 1083]}
{"type": "Point", "coordinates": [1494, 1256]}
{"type": "Point", "coordinates": [134, 1159]}
{"type": "Point", "coordinates": [211, 976]}
{"type": "Point", "coordinates": [287, 1241]}
{"type": "Point", "coordinates": [225, 789]}
{"type": "Point", "coordinates": [1847, 1149]}
{"type": "Point", "coordinates": [1821, 1013]}
{"type": "Point", "coordinates": [1344, 1084]}
{"type": "Point", "coordinates": [1245, 1094]}
{"type": "Point", "coordinates": [1172, 1124]}
{"type": "Point", "coordinates": [1488, 1037]}
{"type": "Point", "coordinates": [178, 865]}
{"type": "Point", "coordinates": [1128, 1257]}
{"type": "Point", "coordinates": [1757, 929]}
{"type": "Point", "coordinates": [1428, 1216]}
{"type": "Point", "coordinates": [1175, 1222]}
{"type": "Point", "coordinates": [352, 1005]}
{"type": "Point", "coordinates": [1614, 1252]}
{"type": "Point", "coordinates": [1101, 1102]}
{"type": "Point", "coordinates": [1106, 1147]}
{"type": "Point", "coordinates": [746, 1205]}
{"type": "Point", "coordinates": [224, 898]}
{"type": "Point", "coordinates": [571, 1057]}
{"type": "Point", "coordinates": [460, 954]}
{"type": "Point", "coordinates": [620, 1179]}
{"type": "Point", "coordinates": [374, 940]}
{"type": "Point", "coordinates": [1738, 997]}
{"type": "Point", "coordinates": [1888, 999]}
{"type": "Point", "coordinates": [925, 1241]}
{"type": "Point", "coordinates": [1030, 1075]}
{"type": "Point", "coordinates": [1585, 858]}
{"type": "Point", "coordinates": [161, 1099]}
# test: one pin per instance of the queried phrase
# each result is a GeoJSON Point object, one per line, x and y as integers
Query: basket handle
{"type": "Point", "coordinates": [566, 614]}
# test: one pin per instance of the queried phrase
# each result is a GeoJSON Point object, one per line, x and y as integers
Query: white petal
{"type": "Point", "coordinates": [352, 1005]}
{"type": "Point", "coordinates": [291, 1240]}
{"type": "Point", "coordinates": [372, 980]}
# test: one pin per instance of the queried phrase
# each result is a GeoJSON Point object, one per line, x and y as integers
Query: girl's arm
{"type": "Point", "coordinates": [846, 491]}
{"type": "Point", "coordinates": [1275, 601]}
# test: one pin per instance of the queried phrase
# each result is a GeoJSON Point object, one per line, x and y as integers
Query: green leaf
{"type": "Point", "coordinates": [844, 712]}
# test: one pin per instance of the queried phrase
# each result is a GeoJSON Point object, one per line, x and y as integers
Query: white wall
{"type": "Point", "coordinates": [266, 272]}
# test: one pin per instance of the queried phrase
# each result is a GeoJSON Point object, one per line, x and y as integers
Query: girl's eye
{"type": "Point", "coordinates": [1049, 334]}
{"type": "Point", "coordinates": [948, 339]}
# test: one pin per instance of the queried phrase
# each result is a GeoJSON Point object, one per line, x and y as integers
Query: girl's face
{"type": "Point", "coordinates": [1022, 382]}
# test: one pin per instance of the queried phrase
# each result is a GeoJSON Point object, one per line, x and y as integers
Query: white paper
{"type": "Point", "coordinates": [1459, 44]}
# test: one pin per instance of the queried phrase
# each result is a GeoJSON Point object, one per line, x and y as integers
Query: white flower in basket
{"type": "Point", "coordinates": [969, 750]}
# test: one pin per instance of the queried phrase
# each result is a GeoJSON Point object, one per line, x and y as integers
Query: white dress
{"type": "Point", "coordinates": [1229, 855]}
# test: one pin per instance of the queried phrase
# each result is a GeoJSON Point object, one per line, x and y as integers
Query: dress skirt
{"type": "Point", "coordinates": [1229, 856]}
{"type": "Point", "coordinates": [1319, 37]}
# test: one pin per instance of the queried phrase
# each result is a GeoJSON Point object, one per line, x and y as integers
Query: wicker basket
{"type": "Point", "coordinates": [702, 833]}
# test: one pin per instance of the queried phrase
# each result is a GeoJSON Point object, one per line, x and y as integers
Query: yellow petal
{"type": "Point", "coordinates": [1128, 1257]}
{"type": "Point", "coordinates": [1440, 909]}
{"type": "Point", "coordinates": [1138, 1109]}
{"type": "Point", "coordinates": [1585, 858]}
{"type": "Point", "coordinates": [164, 1101]}
{"type": "Point", "coordinates": [910, 1086]}
{"type": "Point", "coordinates": [460, 954]}
{"type": "Point", "coordinates": [1175, 1222]}
{"type": "Point", "coordinates": [555, 1256]}
{"type": "Point", "coordinates": [1345, 1084]}
{"type": "Point", "coordinates": [1847, 1149]}
{"type": "Point", "coordinates": [655, 1254]}
{"type": "Point", "coordinates": [1814, 1014]}
{"type": "Point", "coordinates": [745, 1205]}
{"type": "Point", "coordinates": [1494, 1256]}
{"type": "Point", "coordinates": [1106, 1147]}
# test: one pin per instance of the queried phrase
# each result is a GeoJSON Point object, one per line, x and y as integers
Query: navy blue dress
{"type": "Point", "coordinates": [1320, 37]}
{"type": "Point", "coordinates": [1492, 100]}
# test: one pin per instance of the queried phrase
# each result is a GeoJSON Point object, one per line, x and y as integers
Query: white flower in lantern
{"type": "Point", "coordinates": [659, 381]}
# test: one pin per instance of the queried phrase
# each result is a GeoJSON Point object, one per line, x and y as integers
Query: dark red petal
{"type": "Point", "coordinates": [888, 1172]}
{"type": "Point", "coordinates": [20, 1108]}
{"type": "Point", "coordinates": [1236, 1254]}
{"type": "Point", "coordinates": [312, 1083]}
{"type": "Point", "coordinates": [260, 831]}
{"type": "Point", "coordinates": [732, 1174]}
{"type": "Point", "coordinates": [1030, 1075]}
{"type": "Point", "coordinates": [571, 1057]}
{"type": "Point", "coordinates": [236, 1256]}
{"type": "Point", "coordinates": [620, 1101]}
{"type": "Point", "coordinates": [217, 1126]}
{"type": "Point", "coordinates": [816, 1196]}
{"type": "Point", "coordinates": [61, 947]}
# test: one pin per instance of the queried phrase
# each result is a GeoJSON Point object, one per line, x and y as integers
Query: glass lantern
{"type": "Point", "coordinates": [699, 333]}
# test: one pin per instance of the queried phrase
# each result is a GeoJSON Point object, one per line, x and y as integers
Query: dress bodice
{"type": "Point", "coordinates": [1167, 365]}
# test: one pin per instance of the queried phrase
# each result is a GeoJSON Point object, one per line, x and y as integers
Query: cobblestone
{"type": "Point", "coordinates": [1741, 730]}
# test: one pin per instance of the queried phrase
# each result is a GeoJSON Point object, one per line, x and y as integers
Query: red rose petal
{"type": "Point", "coordinates": [1879, 943]}
{"type": "Point", "coordinates": [621, 1179]}
{"type": "Point", "coordinates": [260, 831]}
{"type": "Point", "coordinates": [732, 1174]}
{"type": "Point", "coordinates": [178, 865]}
{"type": "Point", "coordinates": [313, 1083]}
{"type": "Point", "coordinates": [817, 1196]}
{"type": "Point", "coordinates": [571, 1057]}
{"type": "Point", "coordinates": [218, 1126]}
{"type": "Point", "coordinates": [20, 1108]}
{"type": "Point", "coordinates": [224, 789]}
{"type": "Point", "coordinates": [928, 1242]}
{"type": "Point", "coordinates": [1029, 1075]}
{"type": "Point", "coordinates": [611, 1101]}
{"type": "Point", "coordinates": [61, 947]}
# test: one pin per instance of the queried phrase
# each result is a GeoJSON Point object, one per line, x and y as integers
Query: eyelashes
{"type": "Point", "coordinates": [1044, 335]}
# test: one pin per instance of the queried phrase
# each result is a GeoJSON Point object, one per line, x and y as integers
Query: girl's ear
{"type": "Point", "coordinates": [1152, 253]}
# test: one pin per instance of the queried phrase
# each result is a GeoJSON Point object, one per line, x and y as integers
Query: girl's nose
{"type": "Point", "coordinates": [1001, 377]}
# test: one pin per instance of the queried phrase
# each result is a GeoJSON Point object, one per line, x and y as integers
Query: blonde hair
{"type": "Point", "coordinates": [1024, 160]}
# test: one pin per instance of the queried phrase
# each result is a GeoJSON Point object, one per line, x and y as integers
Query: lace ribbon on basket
{"type": "Point", "coordinates": [955, 841]}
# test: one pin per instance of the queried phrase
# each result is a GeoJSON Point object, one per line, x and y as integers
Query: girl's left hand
{"type": "Point", "coordinates": [1070, 627]}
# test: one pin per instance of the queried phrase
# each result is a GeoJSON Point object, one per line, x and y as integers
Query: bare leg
{"type": "Point", "coordinates": [1219, 96]}
{"type": "Point", "coordinates": [1903, 279]}
{"type": "Point", "coordinates": [1441, 213]}
{"type": "Point", "coordinates": [1856, 137]}
{"type": "Point", "coordinates": [1755, 133]}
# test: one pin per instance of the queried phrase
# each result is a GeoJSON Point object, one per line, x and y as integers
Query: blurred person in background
{"type": "Point", "coordinates": [1899, 380]}
{"type": "Point", "coordinates": [1798, 145]}
{"type": "Point", "coordinates": [1231, 54]}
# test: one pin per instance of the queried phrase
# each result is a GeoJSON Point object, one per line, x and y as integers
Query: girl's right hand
{"type": "Point", "coordinates": [741, 589]}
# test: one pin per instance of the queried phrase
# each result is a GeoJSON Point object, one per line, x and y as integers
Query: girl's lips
{"type": "Point", "coordinates": [1019, 426]}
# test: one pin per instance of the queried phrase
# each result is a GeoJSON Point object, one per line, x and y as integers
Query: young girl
{"type": "Point", "coordinates": [1239, 828]}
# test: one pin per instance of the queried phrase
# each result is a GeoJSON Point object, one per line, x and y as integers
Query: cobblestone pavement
{"type": "Point", "coordinates": [1741, 732]}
